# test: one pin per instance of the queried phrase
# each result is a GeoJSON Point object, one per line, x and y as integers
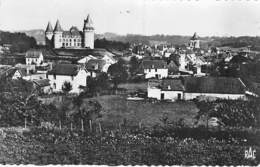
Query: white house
{"type": "Point", "coordinates": [166, 89]}
{"type": "Point", "coordinates": [19, 73]}
{"type": "Point", "coordinates": [155, 69]}
{"type": "Point", "coordinates": [34, 57]}
{"type": "Point", "coordinates": [67, 73]}
{"type": "Point", "coordinates": [193, 87]}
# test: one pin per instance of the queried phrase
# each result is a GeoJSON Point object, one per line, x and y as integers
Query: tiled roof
{"type": "Point", "coordinates": [172, 85]}
{"type": "Point", "coordinates": [152, 64]}
{"type": "Point", "coordinates": [58, 26]}
{"type": "Point", "coordinates": [88, 23]}
{"type": "Point", "coordinates": [72, 32]}
{"type": "Point", "coordinates": [42, 82]}
{"type": "Point", "coordinates": [33, 53]}
{"type": "Point", "coordinates": [49, 28]}
{"type": "Point", "coordinates": [223, 85]}
{"type": "Point", "coordinates": [64, 69]}
{"type": "Point", "coordinates": [95, 64]}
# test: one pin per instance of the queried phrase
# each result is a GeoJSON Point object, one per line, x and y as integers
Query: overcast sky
{"type": "Point", "coordinates": [173, 17]}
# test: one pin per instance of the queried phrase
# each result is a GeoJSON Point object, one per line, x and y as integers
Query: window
{"type": "Point", "coordinates": [70, 40]}
{"type": "Point", "coordinates": [54, 85]}
{"type": "Point", "coordinates": [156, 70]}
{"type": "Point", "coordinates": [72, 78]}
{"type": "Point", "coordinates": [54, 76]}
{"type": "Point", "coordinates": [74, 40]}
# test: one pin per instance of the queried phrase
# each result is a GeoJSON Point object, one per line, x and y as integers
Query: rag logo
{"type": "Point", "coordinates": [250, 153]}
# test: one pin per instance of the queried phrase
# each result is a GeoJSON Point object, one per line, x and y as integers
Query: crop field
{"type": "Point", "coordinates": [117, 109]}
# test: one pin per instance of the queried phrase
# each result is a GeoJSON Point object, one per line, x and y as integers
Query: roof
{"type": "Point", "coordinates": [222, 85]}
{"type": "Point", "coordinates": [195, 36]}
{"type": "Point", "coordinates": [57, 26]}
{"type": "Point", "coordinates": [49, 28]}
{"type": "Point", "coordinates": [64, 69]}
{"type": "Point", "coordinates": [88, 23]}
{"type": "Point", "coordinates": [95, 64]}
{"type": "Point", "coordinates": [74, 31]}
{"type": "Point", "coordinates": [42, 82]}
{"type": "Point", "coordinates": [172, 85]}
{"type": "Point", "coordinates": [33, 53]}
{"type": "Point", "coordinates": [150, 64]}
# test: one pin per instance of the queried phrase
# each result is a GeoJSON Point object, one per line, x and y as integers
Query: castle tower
{"type": "Point", "coordinates": [57, 35]}
{"type": "Point", "coordinates": [194, 41]}
{"type": "Point", "coordinates": [88, 31]}
{"type": "Point", "coordinates": [49, 31]}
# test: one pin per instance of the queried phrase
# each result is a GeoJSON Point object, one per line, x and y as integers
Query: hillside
{"type": "Point", "coordinates": [38, 34]}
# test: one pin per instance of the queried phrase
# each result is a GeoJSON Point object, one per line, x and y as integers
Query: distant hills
{"type": "Point", "coordinates": [243, 41]}
{"type": "Point", "coordinates": [38, 34]}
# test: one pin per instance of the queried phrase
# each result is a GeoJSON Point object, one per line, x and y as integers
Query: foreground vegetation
{"type": "Point", "coordinates": [42, 146]}
{"type": "Point", "coordinates": [113, 131]}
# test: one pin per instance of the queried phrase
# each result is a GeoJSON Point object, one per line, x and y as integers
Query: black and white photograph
{"type": "Point", "coordinates": [130, 82]}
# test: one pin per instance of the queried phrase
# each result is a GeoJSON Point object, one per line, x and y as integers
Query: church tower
{"type": "Point", "coordinates": [57, 35]}
{"type": "Point", "coordinates": [49, 31]}
{"type": "Point", "coordinates": [194, 41]}
{"type": "Point", "coordinates": [88, 31]}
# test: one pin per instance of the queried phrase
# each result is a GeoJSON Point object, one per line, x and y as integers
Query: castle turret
{"type": "Point", "coordinates": [49, 31]}
{"type": "Point", "coordinates": [88, 31]}
{"type": "Point", "coordinates": [57, 35]}
{"type": "Point", "coordinates": [194, 41]}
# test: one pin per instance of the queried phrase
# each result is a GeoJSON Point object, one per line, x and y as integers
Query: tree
{"type": "Point", "coordinates": [95, 85]}
{"type": "Point", "coordinates": [134, 65]}
{"type": "Point", "coordinates": [66, 87]}
{"type": "Point", "coordinates": [118, 73]}
{"type": "Point", "coordinates": [18, 102]}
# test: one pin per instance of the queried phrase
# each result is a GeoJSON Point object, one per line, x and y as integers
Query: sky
{"type": "Point", "coordinates": [146, 17]}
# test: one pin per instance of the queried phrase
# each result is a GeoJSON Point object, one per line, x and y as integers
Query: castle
{"type": "Point", "coordinates": [58, 38]}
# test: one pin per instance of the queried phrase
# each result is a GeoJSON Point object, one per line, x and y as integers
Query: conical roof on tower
{"type": "Point", "coordinates": [88, 23]}
{"type": "Point", "coordinates": [57, 26]}
{"type": "Point", "coordinates": [49, 28]}
{"type": "Point", "coordinates": [195, 36]}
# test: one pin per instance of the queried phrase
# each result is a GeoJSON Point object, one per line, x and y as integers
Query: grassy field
{"type": "Point", "coordinates": [131, 87]}
{"type": "Point", "coordinates": [117, 109]}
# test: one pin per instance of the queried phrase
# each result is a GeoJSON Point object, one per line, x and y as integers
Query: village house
{"type": "Point", "coordinates": [165, 89]}
{"type": "Point", "coordinates": [95, 66]}
{"type": "Point", "coordinates": [155, 69]}
{"type": "Point", "coordinates": [42, 86]}
{"type": "Point", "coordinates": [71, 73]}
{"type": "Point", "coordinates": [34, 57]}
{"type": "Point", "coordinates": [190, 88]}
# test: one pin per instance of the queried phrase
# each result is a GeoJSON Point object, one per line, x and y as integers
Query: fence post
{"type": "Point", "coordinates": [60, 124]}
{"type": "Point", "coordinates": [100, 129]}
{"type": "Point", "coordinates": [140, 125]}
{"type": "Point", "coordinates": [25, 123]}
{"type": "Point", "coordinates": [90, 125]}
{"type": "Point", "coordinates": [82, 125]}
